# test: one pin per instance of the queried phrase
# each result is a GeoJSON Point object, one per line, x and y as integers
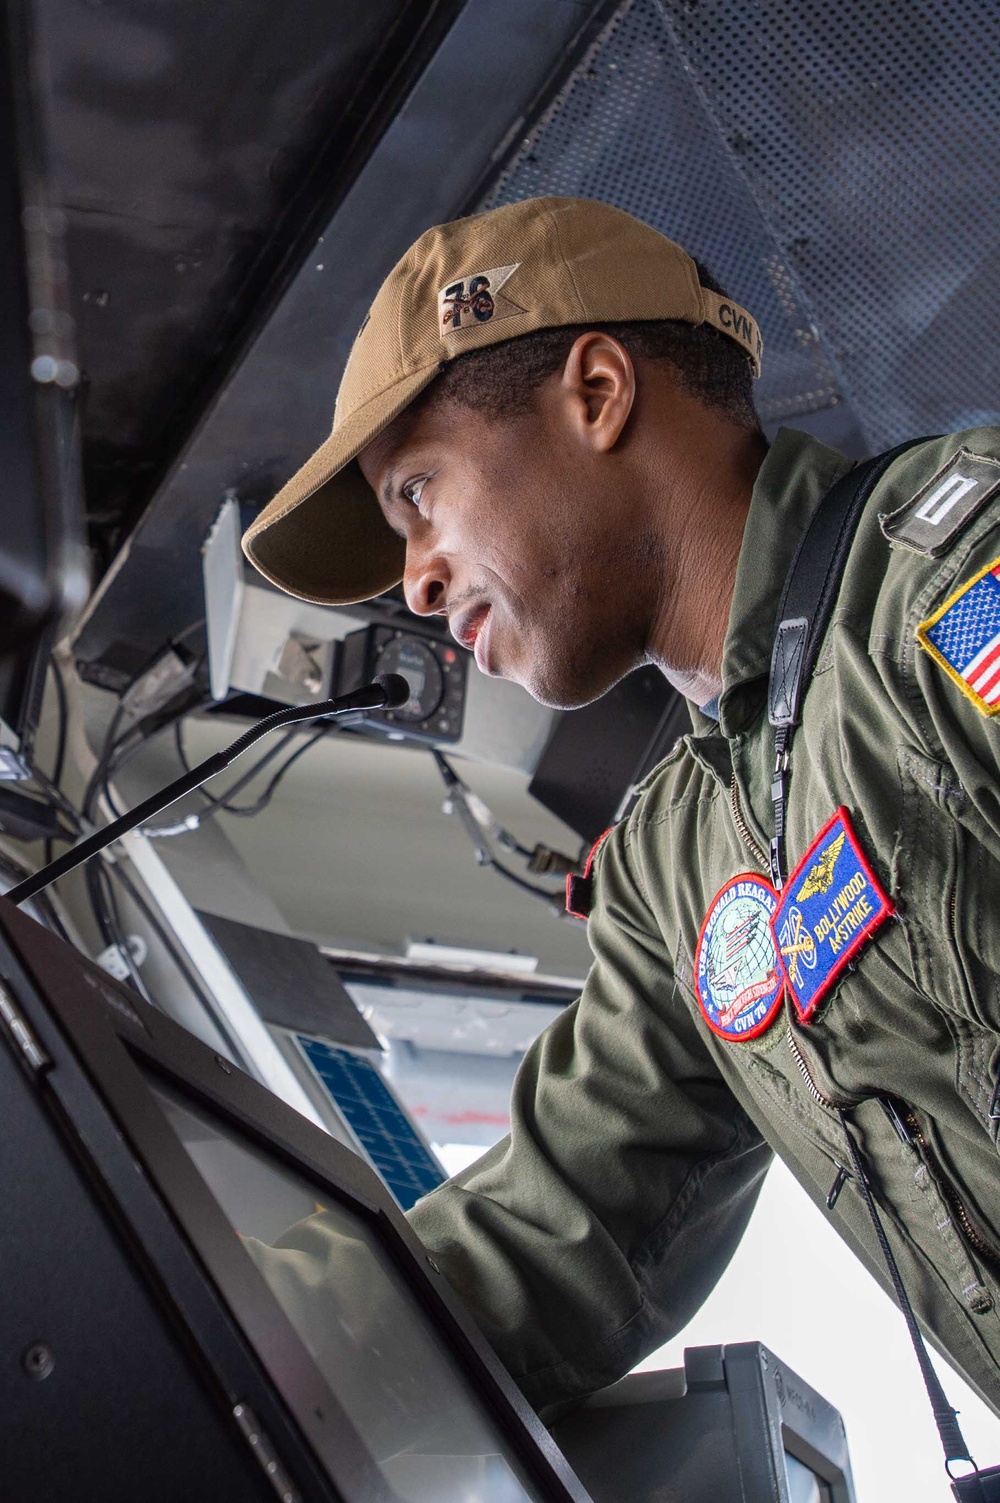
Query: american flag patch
{"type": "Point", "coordinates": [963, 638]}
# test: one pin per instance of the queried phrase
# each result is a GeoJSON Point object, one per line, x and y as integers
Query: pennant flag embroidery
{"type": "Point", "coordinates": [475, 299]}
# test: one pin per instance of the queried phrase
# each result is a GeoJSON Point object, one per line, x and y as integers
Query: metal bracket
{"type": "Point", "coordinates": [28, 1046]}
{"type": "Point", "coordinates": [261, 1447]}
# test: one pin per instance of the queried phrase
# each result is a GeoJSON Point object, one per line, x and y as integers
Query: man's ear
{"type": "Point", "coordinates": [598, 378]}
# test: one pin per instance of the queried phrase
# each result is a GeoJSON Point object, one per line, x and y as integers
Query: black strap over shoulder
{"type": "Point", "coordinates": [807, 602]}
{"type": "Point", "coordinates": [813, 582]}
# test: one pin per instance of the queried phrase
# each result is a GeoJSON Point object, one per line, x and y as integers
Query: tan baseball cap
{"type": "Point", "coordinates": [537, 264]}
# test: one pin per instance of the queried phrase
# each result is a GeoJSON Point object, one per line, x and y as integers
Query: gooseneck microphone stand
{"type": "Point", "coordinates": [386, 692]}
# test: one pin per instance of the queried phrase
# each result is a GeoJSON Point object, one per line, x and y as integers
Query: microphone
{"type": "Point", "coordinates": [386, 692]}
{"type": "Point", "coordinates": [397, 690]}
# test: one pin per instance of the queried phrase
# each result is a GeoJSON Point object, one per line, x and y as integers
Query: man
{"type": "Point", "coordinates": [546, 430]}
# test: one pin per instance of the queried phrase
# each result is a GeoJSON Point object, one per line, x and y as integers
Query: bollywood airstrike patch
{"type": "Point", "coordinates": [829, 908]}
{"type": "Point", "coordinates": [963, 638]}
{"type": "Point", "coordinates": [931, 519]}
{"type": "Point", "coordinates": [737, 977]}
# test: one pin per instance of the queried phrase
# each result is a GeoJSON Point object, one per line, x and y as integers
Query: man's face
{"type": "Point", "coordinates": [525, 538]}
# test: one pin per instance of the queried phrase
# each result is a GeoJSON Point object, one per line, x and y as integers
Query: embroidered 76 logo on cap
{"type": "Point", "coordinates": [467, 301]}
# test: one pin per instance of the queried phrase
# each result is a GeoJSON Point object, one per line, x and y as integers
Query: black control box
{"type": "Point", "coordinates": [435, 670]}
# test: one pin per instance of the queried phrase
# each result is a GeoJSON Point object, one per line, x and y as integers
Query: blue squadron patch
{"type": "Point", "coordinates": [830, 906]}
{"type": "Point", "coordinates": [737, 977]}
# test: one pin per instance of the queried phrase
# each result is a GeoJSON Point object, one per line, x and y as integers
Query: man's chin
{"type": "Point", "coordinates": [563, 690]}
{"type": "Point", "coordinates": [557, 682]}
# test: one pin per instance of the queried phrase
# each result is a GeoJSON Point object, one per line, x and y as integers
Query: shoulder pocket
{"type": "Point", "coordinates": [948, 884]}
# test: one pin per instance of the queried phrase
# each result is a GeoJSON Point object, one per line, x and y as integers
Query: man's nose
{"type": "Point", "coordinates": [425, 582]}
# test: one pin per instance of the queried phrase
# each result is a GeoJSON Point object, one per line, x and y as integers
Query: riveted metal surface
{"type": "Point", "coordinates": [833, 166]}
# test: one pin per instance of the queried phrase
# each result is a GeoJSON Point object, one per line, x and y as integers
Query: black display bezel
{"type": "Point", "coordinates": [84, 1018]}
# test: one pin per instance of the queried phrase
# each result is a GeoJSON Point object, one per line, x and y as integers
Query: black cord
{"type": "Point", "coordinates": [502, 836]}
{"type": "Point", "coordinates": [945, 1416]}
{"type": "Point", "coordinates": [247, 811]}
{"type": "Point", "coordinates": [63, 712]}
{"type": "Point", "coordinates": [221, 804]}
{"type": "Point", "coordinates": [57, 798]}
{"type": "Point", "coordinates": [117, 753]}
{"type": "Point", "coordinates": [551, 895]}
{"type": "Point", "coordinates": [458, 792]}
{"type": "Point", "coordinates": [102, 898]}
{"type": "Point", "coordinates": [224, 805]}
{"type": "Point", "coordinates": [111, 924]}
{"type": "Point", "coordinates": [99, 875]}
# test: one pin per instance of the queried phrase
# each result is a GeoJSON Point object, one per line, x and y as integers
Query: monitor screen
{"type": "Point", "coordinates": [803, 1484]}
{"type": "Point", "coordinates": [354, 1311]}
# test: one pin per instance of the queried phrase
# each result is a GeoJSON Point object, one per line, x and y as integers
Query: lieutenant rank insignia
{"type": "Point", "coordinates": [737, 977]}
{"type": "Point", "coordinates": [829, 908]}
{"type": "Point", "coordinates": [963, 638]}
{"type": "Point", "coordinates": [939, 511]}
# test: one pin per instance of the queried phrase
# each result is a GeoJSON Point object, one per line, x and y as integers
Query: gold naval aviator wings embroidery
{"type": "Point", "coordinates": [820, 877]}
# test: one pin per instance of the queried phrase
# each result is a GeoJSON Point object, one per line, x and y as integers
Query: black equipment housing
{"type": "Point", "coordinates": [596, 754]}
{"type": "Point", "coordinates": [734, 1423]}
{"type": "Point", "coordinates": [42, 571]}
{"type": "Point", "coordinates": [384, 649]}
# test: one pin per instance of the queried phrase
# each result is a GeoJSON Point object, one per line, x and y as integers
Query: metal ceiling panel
{"type": "Point", "coordinates": [835, 168]}
{"type": "Point", "coordinates": [631, 127]}
{"type": "Point", "coordinates": [870, 136]}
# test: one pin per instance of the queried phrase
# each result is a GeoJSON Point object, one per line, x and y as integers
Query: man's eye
{"type": "Point", "coordinates": [412, 490]}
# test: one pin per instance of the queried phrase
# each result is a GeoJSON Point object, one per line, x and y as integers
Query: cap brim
{"type": "Point", "coordinates": [323, 538]}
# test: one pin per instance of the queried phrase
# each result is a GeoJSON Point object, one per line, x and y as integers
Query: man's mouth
{"type": "Point", "coordinates": [469, 630]}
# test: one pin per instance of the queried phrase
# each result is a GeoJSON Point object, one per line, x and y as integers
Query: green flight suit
{"type": "Point", "coordinates": [639, 1138]}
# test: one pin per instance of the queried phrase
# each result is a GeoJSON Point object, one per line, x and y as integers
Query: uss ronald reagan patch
{"type": "Point", "coordinates": [737, 977]}
{"type": "Point", "coordinates": [829, 908]}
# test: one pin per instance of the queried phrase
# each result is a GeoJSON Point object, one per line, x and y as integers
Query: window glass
{"type": "Point", "coordinates": [803, 1484]}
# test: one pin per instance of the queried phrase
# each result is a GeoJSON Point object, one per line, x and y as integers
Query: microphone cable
{"type": "Point", "coordinates": [475, 818]}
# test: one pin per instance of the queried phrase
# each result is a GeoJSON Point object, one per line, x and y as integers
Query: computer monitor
{"type": "Point", "coordinates": [347, 1360]}
{"type": "Point", "coordinates": [733, 1423]}
{"type": "Point", "coordinates": [803, 1484]}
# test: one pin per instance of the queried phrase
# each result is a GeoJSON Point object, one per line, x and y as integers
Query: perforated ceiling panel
{"type": "Point", "coordinates": [834, 166]}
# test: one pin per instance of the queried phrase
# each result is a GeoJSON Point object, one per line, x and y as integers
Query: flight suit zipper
{"type": "Point", "coordinates": [811, 1086]}
{"type": "Point", "coordinates": [975, 1238]}
{"type": "Point", "coordinates": [907, 1126]}
{"type": "Point", "coordinates": [743, 829]}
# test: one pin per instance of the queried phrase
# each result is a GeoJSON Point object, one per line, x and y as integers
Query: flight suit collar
{"type": "Point", "coordinates": [795, 476]}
